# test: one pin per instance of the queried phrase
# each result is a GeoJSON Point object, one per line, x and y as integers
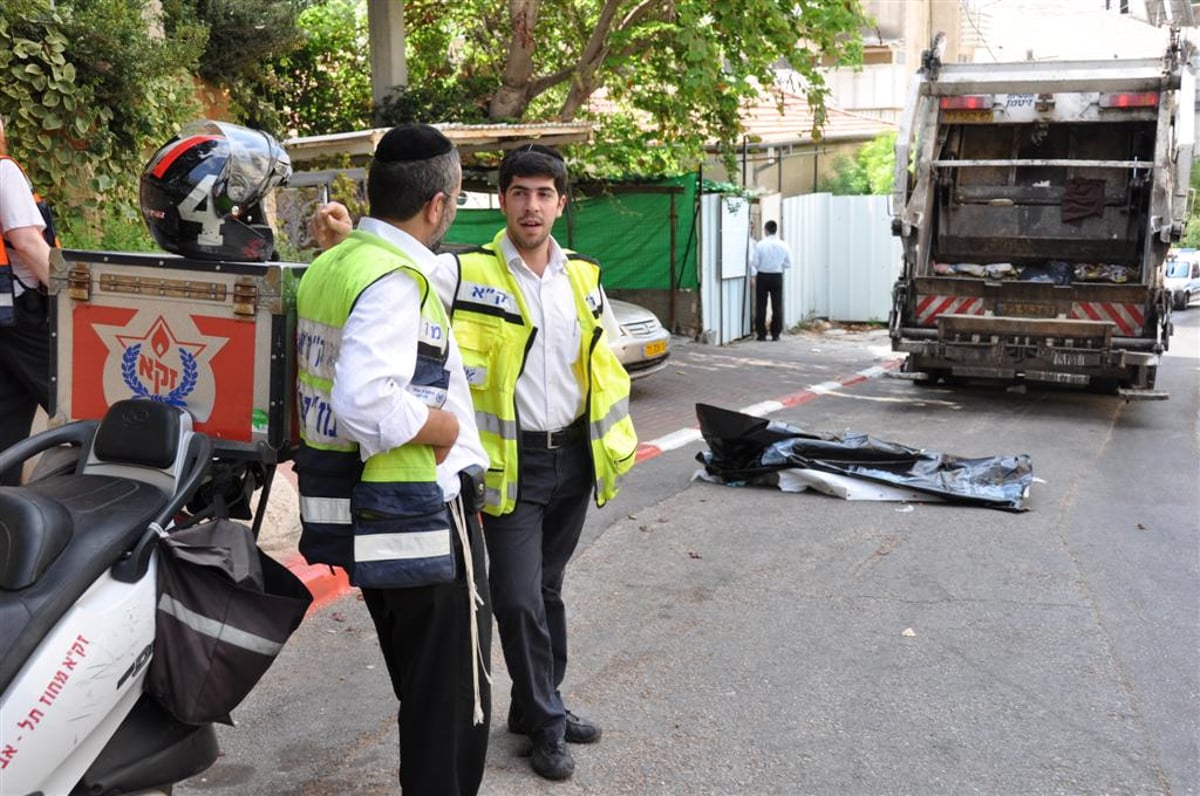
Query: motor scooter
{"type": "Point", "coordinates": [78, 594]}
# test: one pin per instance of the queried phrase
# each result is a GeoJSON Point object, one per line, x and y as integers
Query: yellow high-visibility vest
{"type": "Point", "coordinates": [491, 325]}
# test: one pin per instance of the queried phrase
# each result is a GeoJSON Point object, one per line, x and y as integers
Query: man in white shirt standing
{"type": "Point", "coordinates": [768, 261]}
{"type": "Point", "coordinates": [390, 472]}
{"type": "Point", "coordinates": [552, 402]}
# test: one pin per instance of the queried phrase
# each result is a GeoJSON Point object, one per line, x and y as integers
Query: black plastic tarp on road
{"type": "Point", "coordinates": [744, 449]}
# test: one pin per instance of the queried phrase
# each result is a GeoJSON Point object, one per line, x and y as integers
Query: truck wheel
{"type": "Point", "coordinates": [1181, 301]}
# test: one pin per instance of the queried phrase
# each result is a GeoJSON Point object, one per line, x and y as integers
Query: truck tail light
{"type": "Point", "coordinates": [973, 102]}
{"type": "Point", "coordinates": [1141, 99]}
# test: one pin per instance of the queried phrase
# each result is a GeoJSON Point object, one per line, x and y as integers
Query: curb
{"type": "Point", "coordinates": [686, 436]}
{"type": "Point", "coordinates": [328, 584]}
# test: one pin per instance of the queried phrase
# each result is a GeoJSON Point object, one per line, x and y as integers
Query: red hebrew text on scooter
{"type": "Point", "coordinates": [58, 682]}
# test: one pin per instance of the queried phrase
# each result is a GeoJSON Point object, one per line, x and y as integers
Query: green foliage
{"type": "Point", "coordinates": [679, 71]}
{"type": "Point", "coordinates": [243, 34]}
{"type": "Point", "coordinates": [622, 148]}
{"type": "Point", "coordinates": [352, 194]}
{"type": "Point", "coordinates": [848, 178]}
{"type": "Point", "coordinates": [1191, 234]}
{"type": "Point", "coordinates": [870, 171]}
{"type": "Point", "coordinates": [320, 83]}
{"type": "Point", "coordinates": [87, 92]}
{"type": "Point", "coordinates": [434, 102]}
{"type": "Point", "coordinates": [112, 227]}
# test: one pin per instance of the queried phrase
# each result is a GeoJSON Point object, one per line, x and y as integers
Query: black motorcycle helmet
{"type": "Point", "coordinates": [200, 193]}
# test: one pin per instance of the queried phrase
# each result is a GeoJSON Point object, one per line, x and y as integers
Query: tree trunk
{"type": "Point", "coordinates": [584, 83]}
{"type": "Point", "coordinates": [512, 98]}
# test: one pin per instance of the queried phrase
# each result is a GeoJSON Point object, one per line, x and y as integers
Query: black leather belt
{"type": "Point", "coordinates": [549, 440]}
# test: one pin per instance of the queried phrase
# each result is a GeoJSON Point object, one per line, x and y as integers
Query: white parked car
{"type": "Point", "coordinates": [644, 344]}
{"type": "Point", "coordinates": [1181, 275]}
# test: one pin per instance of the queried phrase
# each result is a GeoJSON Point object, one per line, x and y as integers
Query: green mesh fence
{"type": "Point", "coordinates": [627, 228]}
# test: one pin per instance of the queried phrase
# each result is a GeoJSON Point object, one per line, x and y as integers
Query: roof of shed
{"type": "Point", "coordinates": [468, 137]}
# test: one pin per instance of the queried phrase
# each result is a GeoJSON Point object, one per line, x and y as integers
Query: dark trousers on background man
{"type": "Point", "coordinates": [423, 632]}
{"type": "Point", "coordinates": [529, 549]}
{"type": "Point", "coordinates": [768, 285]}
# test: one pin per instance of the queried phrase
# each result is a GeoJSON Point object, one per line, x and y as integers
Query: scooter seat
{"type": "Point", "coordinates": [33, 531]}
{"type": "Point", "coordinates": [93, 520]}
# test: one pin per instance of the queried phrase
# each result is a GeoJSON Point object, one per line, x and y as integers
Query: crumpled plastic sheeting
{"type": "Point", "coordinates": [744, 449]}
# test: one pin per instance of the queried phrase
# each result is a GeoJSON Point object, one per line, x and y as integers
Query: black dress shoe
{"type": "Point", "coordinates": [552, 759]}
{"type": "Point", "coordinates": [580, 730]}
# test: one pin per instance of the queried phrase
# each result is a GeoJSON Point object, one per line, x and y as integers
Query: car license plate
{"type": "Point", "coordinates": [654, 349]}
{"type": "Point", "coordinates": [966, 116]}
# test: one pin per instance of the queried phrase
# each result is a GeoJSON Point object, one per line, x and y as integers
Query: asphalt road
{"type": "Point", "coordinates": [747, 641]}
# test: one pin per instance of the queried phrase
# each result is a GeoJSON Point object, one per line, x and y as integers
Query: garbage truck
{"type": "Point", "coordinates": [1035, 203]}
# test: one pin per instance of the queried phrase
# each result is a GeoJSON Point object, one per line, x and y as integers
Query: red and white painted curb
{"type": "Point", "coordinates": [686, 436]}
{"type": "Point", "coordinates": [330, 583]}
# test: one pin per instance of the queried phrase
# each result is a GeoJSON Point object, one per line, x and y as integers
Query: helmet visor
{"type": "Point", "coordinates": [256, 164]}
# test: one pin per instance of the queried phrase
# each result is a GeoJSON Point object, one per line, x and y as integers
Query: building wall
{"type": "Point", "coordinates": [903, 31]}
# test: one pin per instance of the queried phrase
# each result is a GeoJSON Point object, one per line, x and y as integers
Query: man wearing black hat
{"type": "Point", "coordinates": [390, 472]}
{"type": "Point", "coordinates": [553, 401]}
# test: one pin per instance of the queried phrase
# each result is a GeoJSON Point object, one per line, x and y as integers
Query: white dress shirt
{"type": "Point", "coordinates": [18, 209]}
{"type": "Point", "coordinates": [770, 256]}
{"type": "Point", "coordinates": [375, 365]}
{"type": "Point", "coordinates": [548, 396]}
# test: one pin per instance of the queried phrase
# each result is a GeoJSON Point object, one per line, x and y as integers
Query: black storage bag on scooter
{"type": "Point", "coordinates": [225, 609]}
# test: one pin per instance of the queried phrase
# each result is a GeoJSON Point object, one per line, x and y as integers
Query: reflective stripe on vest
{"type": "Point", "coordinates": [325, 510]}
{"type": "Point", "coordinates": [387, 546]}
{"type": "Point", "coordinates": [489, 323]}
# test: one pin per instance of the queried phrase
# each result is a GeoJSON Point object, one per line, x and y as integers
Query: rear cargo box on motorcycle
{"type": "Point", "coordinates": [217, 338]}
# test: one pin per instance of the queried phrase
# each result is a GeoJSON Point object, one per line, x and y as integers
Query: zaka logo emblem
{"type": "Point", "coordinates": [168, 362]}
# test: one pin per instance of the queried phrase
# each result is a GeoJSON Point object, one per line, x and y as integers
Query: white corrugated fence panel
{"type": "Point", "coordinates": [847, 258]}
{"type": "Point", "coordinates": [845, 262]}
{"type": "Point", "coordinates": [724, 239]}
